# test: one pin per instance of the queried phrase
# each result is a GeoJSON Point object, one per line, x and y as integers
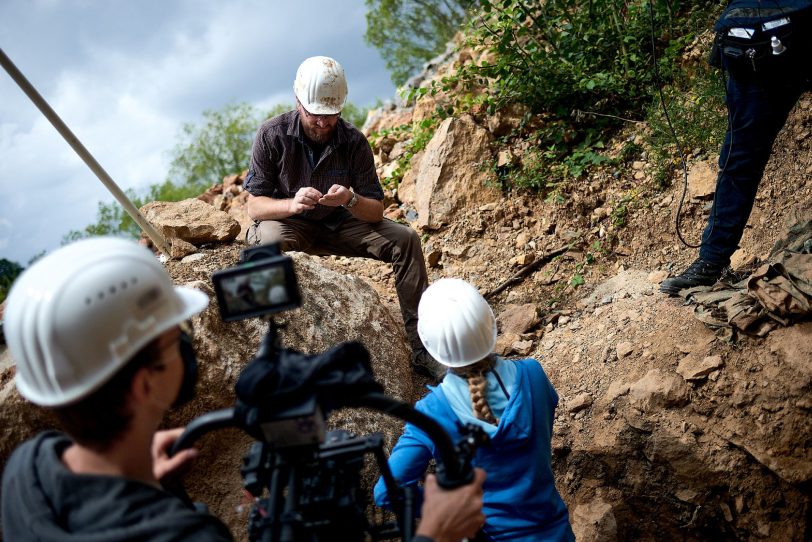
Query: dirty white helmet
{"type": "Point", "coordinates": [79, 314]}
{"type": "Point", "coordinates": [321, 86]}
{"type": "Point", "coordinates": [455, 323]}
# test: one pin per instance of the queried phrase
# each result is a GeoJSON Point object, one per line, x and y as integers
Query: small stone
{"type": "Point", "coordinates": [686, 495]}
{"type": "Point", "coordinates": [579, 402]}
{"type": "Point", "coordinates": [692, 369]}
{"type": "Point", "coordinates": [616, 389]}
{"type": "Point", "coordinates": [522, 348]}
{"type": "Point", "coordinates": [525, 259]}
{"type": "Point", "coordinates": [193, 258]}
{"type": "Point", "coordinates": [522, 239]}
{"type": "Point", "coordinates": [563, 320]}
{"type": "Point", "coordinates": [624, 349]}
{"type": "Point", "coordinates": [433, 258]}
{"type": "Point", "coordinates": [656, 277]}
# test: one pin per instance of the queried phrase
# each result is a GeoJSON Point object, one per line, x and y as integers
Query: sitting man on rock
{"type": "Point", "coordinates": [313, 188]}
{"type": "Point", "coordinates": [95, 329]}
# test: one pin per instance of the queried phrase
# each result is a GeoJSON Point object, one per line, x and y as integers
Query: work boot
{"type": "Point", "coordinates": [425, 365]}
{"type": "Point", "coordinates": [699, 273]}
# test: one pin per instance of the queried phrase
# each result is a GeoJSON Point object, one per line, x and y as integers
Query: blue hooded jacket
{"type": "Point", "coordinates": [520, 498]}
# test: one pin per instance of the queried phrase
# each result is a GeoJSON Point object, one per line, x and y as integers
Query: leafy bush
{"type": "Point", "coordinates": [584, 67]}
{"type": "Point", "coordinates": [409, 32]}
{"type": "Point", "coordinates": [9, 271]}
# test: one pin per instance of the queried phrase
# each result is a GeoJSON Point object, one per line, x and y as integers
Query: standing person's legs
{"type": "Point", "coordinates": [757, 109]}
{"type": "Point", "coordinates": [392, 243]}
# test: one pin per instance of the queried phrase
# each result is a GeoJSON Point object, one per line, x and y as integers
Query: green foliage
{"type": "Point", "coordinates": [219, 146]}
{"type": "Point", "coordinates": [409, 32]}
{"type": "Point", "coordinates": [9, 271]}
{"type": "Point", "coordinates": [355, 115]}
{"type": "Point", "coordinates": [697, 111]}
{"type": "Point", "coordinates": [419, 135]}
{"type": "Point", "coordinates": [560, 57]}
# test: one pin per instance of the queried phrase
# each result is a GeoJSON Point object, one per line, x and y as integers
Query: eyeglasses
{"type": "Point", "coordinates": [328, 118]}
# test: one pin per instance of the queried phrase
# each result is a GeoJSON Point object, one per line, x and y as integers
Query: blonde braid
{"type": "Point", "coordinates": [478, 387]}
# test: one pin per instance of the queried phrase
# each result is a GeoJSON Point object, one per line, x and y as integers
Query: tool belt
{"type": "Point", "coordinates": [763, 38]}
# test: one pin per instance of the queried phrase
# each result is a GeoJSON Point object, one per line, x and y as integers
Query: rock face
{"type": "Point", "coordinates": [191, 220]}
{"type": "Point", "coordinates": [689, 438]}
{"type": "Point", "coordinates": [335, 308]}
{"type": "Point", "coordinates": [448, 178]}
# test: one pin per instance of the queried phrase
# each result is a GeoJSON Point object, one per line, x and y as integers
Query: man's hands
{"type": "Point", "coordinates": [162, 464]}
{"type": "Point", "coordinates": [451, 515]}
{"type": "Point", "coordinates": [305, 199]}
{"type": "Point", "coordinates": [337, 195]}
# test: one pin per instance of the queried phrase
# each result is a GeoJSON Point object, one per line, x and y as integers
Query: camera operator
{"type": "Point", "coordinates": [95, 329]}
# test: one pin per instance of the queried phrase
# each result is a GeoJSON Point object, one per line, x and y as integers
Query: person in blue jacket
{"type": "Point", "coordinates": [513, 401]}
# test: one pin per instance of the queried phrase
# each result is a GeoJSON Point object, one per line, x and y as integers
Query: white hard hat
{"type": "Point", "coordinates": [320, 86]}
{"type": "Point", "coordinates": [455, 323]}
{"type": "Point", "coordinates": [79, 314]}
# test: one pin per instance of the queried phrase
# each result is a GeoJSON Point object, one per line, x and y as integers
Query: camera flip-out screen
{"type": "Point", "coordinates": [256, 288]}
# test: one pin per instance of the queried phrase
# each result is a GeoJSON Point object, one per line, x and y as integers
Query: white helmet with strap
{"type": "Point", "coordinates": [79, 314]}
{"type": "Point", "coordinates": [320, 86]}
{"type": "Point", "coordinates": [455, 323]}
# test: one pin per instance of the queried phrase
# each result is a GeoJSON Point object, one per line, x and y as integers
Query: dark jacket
{"type": "Point", "coordinates": [44, 501]}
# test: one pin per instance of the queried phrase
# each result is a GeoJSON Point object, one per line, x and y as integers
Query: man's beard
{"type": "Point", "coordinates": [320, 137]}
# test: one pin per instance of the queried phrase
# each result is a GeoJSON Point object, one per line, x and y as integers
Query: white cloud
{"type": "Point", "coordinates": [126, 76]}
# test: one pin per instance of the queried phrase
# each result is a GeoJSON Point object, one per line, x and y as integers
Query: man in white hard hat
{"type": "Point", "coordinates": [313, 188]}
{"type": "Point", "coordinates": [95, 330]}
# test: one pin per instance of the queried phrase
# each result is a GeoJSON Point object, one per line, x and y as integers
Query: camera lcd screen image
{"type": "Point", "coordinates": [252, 290]}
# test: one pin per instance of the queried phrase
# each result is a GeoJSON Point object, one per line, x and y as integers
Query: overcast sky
{"type": "Point", "coordinates": [124, 75]}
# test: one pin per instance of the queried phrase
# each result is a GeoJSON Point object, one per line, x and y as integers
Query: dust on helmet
{"type": "Point", "coordinates": [320, 86]}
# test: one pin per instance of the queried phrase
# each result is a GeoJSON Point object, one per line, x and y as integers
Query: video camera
{"type": "Point", "coordinates": [306, 481]}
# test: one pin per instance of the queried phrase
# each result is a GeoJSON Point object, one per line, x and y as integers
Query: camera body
{"type": "Point", "coordinates": [263, 283]}
{"type": "Point", "coordinates": [306, 481]}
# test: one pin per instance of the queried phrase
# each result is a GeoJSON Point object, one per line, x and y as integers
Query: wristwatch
{"type": "Point", "coordinates": [353, 201]}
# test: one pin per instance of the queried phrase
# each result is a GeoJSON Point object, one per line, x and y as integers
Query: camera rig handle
{"type": "Point", "coordinates": [211, 421]}
{"type": "Point", "coordinates": [453, 470]}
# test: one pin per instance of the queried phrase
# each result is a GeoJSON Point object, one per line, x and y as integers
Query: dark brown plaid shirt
{"type": "Point", "coordinates": [282, 163]}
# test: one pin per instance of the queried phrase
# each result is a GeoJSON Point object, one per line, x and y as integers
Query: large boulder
{"type": "Point", "coordinates": [452, 175]}
{"type": "Point", "coordinates": [191, 220]}
{"type": "Point", "coordinates": [335, 308]}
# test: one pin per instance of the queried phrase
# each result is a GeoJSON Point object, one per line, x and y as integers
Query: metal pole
{"type": "Point", "coordinates": [83, 153]}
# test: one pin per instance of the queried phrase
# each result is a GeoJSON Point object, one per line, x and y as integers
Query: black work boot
{"type": "Point", "coordinates": [699, 273]}
{"type": "Point", "coordinates": [425, 365]}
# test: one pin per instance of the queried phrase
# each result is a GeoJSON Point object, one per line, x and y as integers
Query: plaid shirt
{"type": "Point", "coordinates": [281, 164]}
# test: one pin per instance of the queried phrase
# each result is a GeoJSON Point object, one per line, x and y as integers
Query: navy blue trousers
{"type": "Point", "coordinates": [758, 106]}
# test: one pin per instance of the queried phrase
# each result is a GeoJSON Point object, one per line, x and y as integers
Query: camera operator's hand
{"type": "Point", "coordinates": [305, 199]}
{"type": "Point", "coordinates": [162, 464]}
{"type": "Point", "coordinates": [451, 515]}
